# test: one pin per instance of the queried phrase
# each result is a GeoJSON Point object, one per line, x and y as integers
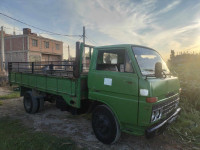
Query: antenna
{"type": "Point", "coordinates": [14, 31]}
{"type": "Point", "coordinates": [69, 57]}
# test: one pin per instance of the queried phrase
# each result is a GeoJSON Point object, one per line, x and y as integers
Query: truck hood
{"type": "Point", "coordinates": [163, 88]}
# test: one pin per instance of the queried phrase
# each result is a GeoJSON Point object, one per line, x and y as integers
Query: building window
{"type": "Point", "coordinates": [46, 44]}
{"type": "Point", "coordinates": [34, 42]}
{"type": "Point", "coordinates": [57, 46]}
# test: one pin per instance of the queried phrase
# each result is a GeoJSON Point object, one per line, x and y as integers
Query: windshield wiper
{"type": "Point", "coordinates": [149, 75]}
{"type": "Point", "coordinates": [153, 75]}
{"type": "Point", "coordinates": [151, 70]}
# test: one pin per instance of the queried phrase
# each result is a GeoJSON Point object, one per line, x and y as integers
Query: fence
{"type": "Point", "coordinates": [53, 68]}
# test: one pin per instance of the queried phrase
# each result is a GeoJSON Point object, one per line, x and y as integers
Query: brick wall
{"type": "Point", "coordinates": [15, 43]}
{"type": "Point", "coordinates": [19, 48]}
{"type": "Point", "coordinates": [41, 45]}
{"type": "Point", "coordinates": [15, 48]}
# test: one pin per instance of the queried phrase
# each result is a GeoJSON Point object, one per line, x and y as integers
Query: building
{"type": "Point", "coordinates": [29, 47]}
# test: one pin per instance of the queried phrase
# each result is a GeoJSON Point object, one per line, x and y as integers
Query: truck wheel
{"type": "Point", "coordinates": [62, 105]}
{"type": "Point", "coordinates": [30, 103]}
{"type": "Point", "coordinates": [40, 104]}
{"type": "Point", "coordinates": [105, 125]}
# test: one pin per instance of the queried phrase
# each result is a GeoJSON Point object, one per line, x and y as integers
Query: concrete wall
{"type": "Point", "coordinates": [46, 57]}
{"type": "Point", "coordinates": [16, 56]}
{"type": "Point", "coordinates": [34, 56]}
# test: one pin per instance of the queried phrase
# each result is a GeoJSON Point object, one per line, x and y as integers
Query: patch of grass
{"type": "Point", "coordinates": [10, 96]}
{"type": "Point", "coordinates": [187, 126]}
{"type": "Point", "coordinates": [1, 103]}
{"type": "Point", "coordinates": [14, 135]}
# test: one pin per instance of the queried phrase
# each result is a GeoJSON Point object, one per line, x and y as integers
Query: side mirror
{"type": "Point", "coordinates": [158, 70]}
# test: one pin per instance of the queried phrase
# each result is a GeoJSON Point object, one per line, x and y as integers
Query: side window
{"type": "Point", "coordinates": [114, 60]}
{"type": "Point", "coordinates": [109, 58]}
{"type": "Point", "coordinates": [128, 65]}
{"type": "Point", "coordinates": [86, 59]}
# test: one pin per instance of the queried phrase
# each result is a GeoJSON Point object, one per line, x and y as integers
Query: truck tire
{"type": "Point", "coordinates": [40, 104]}
{"type": "Point", "coordinates": [30, 103]}
{"type": "Point", "coordinates": [62, 105]}
{"type": "Point", "coordinates": [105, 125]}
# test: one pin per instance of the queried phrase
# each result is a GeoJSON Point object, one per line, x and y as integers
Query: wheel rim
{"type": "Point", "coordinates": [102, 125]}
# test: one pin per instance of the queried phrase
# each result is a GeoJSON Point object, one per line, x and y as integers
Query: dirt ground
{"type": "Point", "coordinates": [5, 90]}
{"type": "Point", "coordinates": [78, 128]}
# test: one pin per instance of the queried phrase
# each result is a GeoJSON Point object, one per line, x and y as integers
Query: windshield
{"type": "Point", "coordinates": [147, 58]}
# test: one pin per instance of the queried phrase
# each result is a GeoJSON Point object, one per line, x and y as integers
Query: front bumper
{"type": "Point", "coordinates": [158, 127]}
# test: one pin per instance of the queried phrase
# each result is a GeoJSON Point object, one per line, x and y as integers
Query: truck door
{"type": "Point", "coordinates": [112, 80]}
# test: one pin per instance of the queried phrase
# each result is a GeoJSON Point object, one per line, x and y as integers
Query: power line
{"type": "Point", "coordinates": [73, 46]}
{"type": "Point", "coordinates": [54, 33]}
{"type": "Point", "coordinates": [37, 32]}
{"type": "Point", "coordinates": [80, 38]}
{"type": "Point", "coordinates": [12, 29]}
{"type": "Point", "coordinates": [92, 41]}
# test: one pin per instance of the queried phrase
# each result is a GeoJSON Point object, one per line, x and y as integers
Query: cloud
{"type": "Point", "coordinates": [139, 23]}
{"type": "Point", "coordinates": [168, 7]}
{"type": "Point", "coordinates": [162, 25]}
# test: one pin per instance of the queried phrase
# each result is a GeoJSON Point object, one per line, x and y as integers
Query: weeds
{"type": "Point", "coordinates": [187, 126]}
{"type": "Point", "coordinates": [10, 96]}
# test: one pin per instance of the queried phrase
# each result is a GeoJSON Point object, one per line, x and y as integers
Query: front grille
{"type": "Point", "coordinates": [168, 105]}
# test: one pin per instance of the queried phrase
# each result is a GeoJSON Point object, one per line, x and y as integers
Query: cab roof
{"type": "Point", "coordinates": [122, 46]}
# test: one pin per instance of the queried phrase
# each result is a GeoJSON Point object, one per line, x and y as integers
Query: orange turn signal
{"type": "Point", "coordinates": [151, 99]}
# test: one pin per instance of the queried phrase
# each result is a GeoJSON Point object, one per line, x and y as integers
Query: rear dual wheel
{"type": "Point", "coordinates": [105, 125]}
{"type": "Point", "coordinates": [32, 104]}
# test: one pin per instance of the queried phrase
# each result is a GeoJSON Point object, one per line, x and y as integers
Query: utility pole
{"type": "Point", "coordinates": [83, 34]}
{"type": "Point", "coordinates": [84, 58]}
{"type": "Point", "coordinates": [2, 49]}
{"type": "Point", "coordinates": [69, 57]}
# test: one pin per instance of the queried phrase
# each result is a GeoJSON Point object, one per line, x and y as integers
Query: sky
{"type": "Point", "coordinates": [160, 24]}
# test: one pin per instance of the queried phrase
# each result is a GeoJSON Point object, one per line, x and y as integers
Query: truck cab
{"type": "Point", "coordinates": [122, 77]}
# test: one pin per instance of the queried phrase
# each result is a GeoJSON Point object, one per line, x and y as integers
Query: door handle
{"type": "Point", "coordinates": [129, 82]}
{"type": "Point", "coordinates": [96, 90]}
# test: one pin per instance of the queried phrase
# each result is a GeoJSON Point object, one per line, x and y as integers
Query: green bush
{"type": "Point", "coordinates": [187, 126]}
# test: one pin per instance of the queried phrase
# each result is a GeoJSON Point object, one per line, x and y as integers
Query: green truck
{"type": "Point", "coordinates": [126, 87]}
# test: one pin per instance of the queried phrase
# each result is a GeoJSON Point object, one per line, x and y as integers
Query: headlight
{"type": "Point", "coordinates": [160, 113]}
{"type": "Point", "coordinates": [156, 115]}
{"type": "Point", "coordinates": [153, 117]}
